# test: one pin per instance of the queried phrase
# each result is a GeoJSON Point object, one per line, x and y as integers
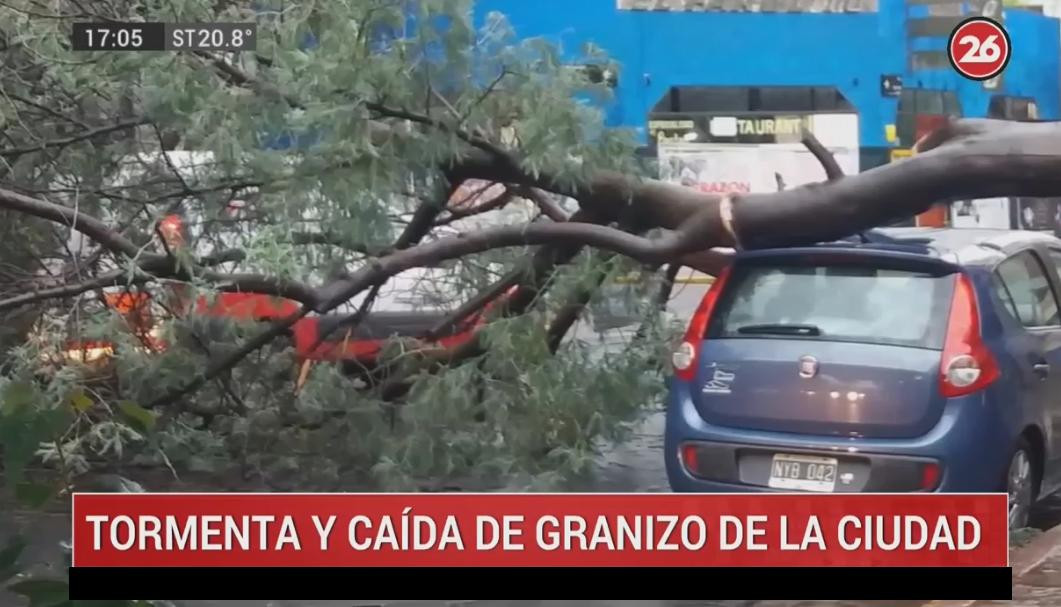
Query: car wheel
{"type": "Point", "coordinates": [1020, 485]}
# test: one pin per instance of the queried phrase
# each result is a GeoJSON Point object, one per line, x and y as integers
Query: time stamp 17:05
{"type": "Point", "coordinates": [154, 36]}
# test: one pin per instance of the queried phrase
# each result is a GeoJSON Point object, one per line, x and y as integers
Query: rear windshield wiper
{"type": "Point", "coordinates": [780, 329]}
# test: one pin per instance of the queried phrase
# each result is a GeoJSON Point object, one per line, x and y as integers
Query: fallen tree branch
{"type": "Point", "coordinates": [421, 224]}
{"type": "Point", "coordinates": [492, 204]}
{"type": "Point", "coordinates": [473, 140]}
{"type": "Point", "coordinates": [531, 281]}
{"type": "Point", "coordinates": [277, 329]}
{"type": "Point", "coordinates": [573, 309]}
{"type": "Point", "coordinates": [68, 217]}
{"type": "Point", "coordinates": [262, 285]}
{"type": "Point", "coordinates": [65, 141]}
{"type": "Point", "coordinates": [475, 304]}
{"type": "Point", "coordinates": [824, 156]}
{"type": "Point", "coordinates": [241, 283]}
{"type": "Point", "coordinates": [548, 208]}
{"type": "Point", "coordinates": [666, 287]}
{"type": "Point", "coordinates": [711, 261]}
{"type": "Point", "coordinates": [974, 159]}
{"type": "Point", "coordinates": [110, 279]}
{"type": "Point", "coordinates": [970, 159]}
{"type": "Point", "coordinates": [572, 233]}
{"type": "Point", "coordinates": [336, 240]}
{"type": "Point", "coordinates": [809, 213]}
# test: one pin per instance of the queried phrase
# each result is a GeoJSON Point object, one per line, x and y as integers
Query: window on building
{"type": "Point", "coordinates": [1012, 108]}
{"type": "Point", "coordinates": [951, 105]}
{"type": "Point", "coordinates": [771, 99]}
{"type": "Point", "coordinates": [829, 99]}
{"type": "Point", "coordinates": [781, 99]}
{"type": "Point", "coordinates": [713, 99]}
{"type": "Point", "coordinates": [928, 102]}
{"type": "Point", "coordinates": [922, 102]}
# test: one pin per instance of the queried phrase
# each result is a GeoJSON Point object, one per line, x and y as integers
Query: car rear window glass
{"type": "Point", "coordinates": [835, 303]}
{"type": "Point", "coordinates": [1022, 285]}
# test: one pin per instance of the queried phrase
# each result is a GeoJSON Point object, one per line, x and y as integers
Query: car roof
{"type": "Point", "coordinates": [962, 246]}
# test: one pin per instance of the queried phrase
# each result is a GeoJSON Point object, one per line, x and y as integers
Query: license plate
{"type": "Point", "coordinates": [803, 472]}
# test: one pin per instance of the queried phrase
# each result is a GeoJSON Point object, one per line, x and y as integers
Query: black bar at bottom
{"type": "Point", "coordinates": [724, 583]}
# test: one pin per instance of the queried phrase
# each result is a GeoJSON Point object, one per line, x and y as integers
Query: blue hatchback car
{"type": "Point", "coordinates": [910, 359]}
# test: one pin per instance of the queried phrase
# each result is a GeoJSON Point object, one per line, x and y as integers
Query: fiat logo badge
{"type": "Point", "coordinates": [808, 366]}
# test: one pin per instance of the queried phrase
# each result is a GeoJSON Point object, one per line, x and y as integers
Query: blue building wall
{"type": "Point", "coordinates": [659, 49]}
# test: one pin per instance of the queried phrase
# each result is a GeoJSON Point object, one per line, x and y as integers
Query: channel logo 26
{"type": "Point", "coordinates": [979, 48]}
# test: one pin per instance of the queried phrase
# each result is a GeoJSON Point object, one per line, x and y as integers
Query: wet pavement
{"type": "Point", "coordinates": [1038, 587]}
{"type": "Point", "coordinates": [635, 465]}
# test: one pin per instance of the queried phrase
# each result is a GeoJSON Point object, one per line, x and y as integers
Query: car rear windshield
{"type": "Point", "coordinates": [835, 303]}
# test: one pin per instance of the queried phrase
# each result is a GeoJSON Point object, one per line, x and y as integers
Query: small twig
{"type": "Point", "coordinates": [64, 469]}
{"type": "Point", "coordinates": [46, 109]}
{"type": "Point", "coordinates": [493, 204]}
{"type": "Point", "coordinates": [482, 97]}
{"type": "Point", "coordinates": [572, 310]}
{"type": "Point", "coordinates": [351, 321]}
{"type": "Point", "coordinates": [103, 130]}
{"type": "Point", "coordinates": [824, 156]}
{"type": "Point", "coordinates": [229, 362]}
{"type": "Point", "coordinates": [223, 382]}
{"type": "Point", "coordinates": [548, 208]}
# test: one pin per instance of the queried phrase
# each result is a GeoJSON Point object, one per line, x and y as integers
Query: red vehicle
{"type": "Point", "coordinates": [360, 345]}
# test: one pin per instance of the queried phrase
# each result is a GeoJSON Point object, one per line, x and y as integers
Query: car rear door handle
{"type": "Point", "coordinates": [1041, 369]}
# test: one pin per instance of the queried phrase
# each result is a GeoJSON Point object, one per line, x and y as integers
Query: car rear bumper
{"type": "Point", "coordinates": [749, 465]}
{"type": "Point", "coordinates": [970, 444]}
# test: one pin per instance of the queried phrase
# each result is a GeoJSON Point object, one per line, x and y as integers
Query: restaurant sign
{"type": "Point", "coordinates": [727, 129]}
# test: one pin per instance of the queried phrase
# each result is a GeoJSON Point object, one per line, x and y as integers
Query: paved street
{"type": "Point", "coordinates": [1039, 587]}
{"type": "Point", "coordinates": [1036, 576]}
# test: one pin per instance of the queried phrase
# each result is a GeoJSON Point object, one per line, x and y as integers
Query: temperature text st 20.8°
{"type": "Point", "coordinates": [211, 37]}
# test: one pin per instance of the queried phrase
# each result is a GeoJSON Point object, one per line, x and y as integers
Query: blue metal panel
{"type": "Point", "coordinates": [660, 49]}
{"type": "Point", "coordinates": [1033, 70]}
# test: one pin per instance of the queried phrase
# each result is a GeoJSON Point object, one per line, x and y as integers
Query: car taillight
{"type": "Point", "coordinates": [967, 365]}
{"type": "Point", "coordinates": [929, 476]}
{"type": "Point", "coordinates": [685, 356]}
{"type": "Point", "coordinates": [691, 458]}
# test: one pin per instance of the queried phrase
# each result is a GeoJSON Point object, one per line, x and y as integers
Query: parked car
{"type": "Point", "coordinates": [315, 338]}
{"type": "Point", "coordinates": [909, 359]}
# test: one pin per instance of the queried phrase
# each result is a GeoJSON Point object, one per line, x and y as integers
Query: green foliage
{"type": "Point", "coordinates": [139, 418]}
{"type": "Point", "coordinates": [9, 557]}
{"type": "Point", "coordinates": [24, 423]}
{"type": "Point", "coordinates": [519, 416]}
{"type": "Point", "coordinates": [34, 495]}
{"type": "Point", "coordinates": [43, 593]}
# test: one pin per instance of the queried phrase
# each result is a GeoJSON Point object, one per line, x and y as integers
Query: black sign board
{"type": "Point", "coordinates": [891, 85]}
{"type": "Point", "coordinates": [740, 128]}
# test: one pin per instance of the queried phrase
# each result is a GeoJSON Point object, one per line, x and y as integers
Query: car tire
{"type": "Point", "coordinates": [1019, 484]}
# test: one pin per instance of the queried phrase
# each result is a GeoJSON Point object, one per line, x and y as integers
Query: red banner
{"type": "Point", "coordinates": [550, 530]}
